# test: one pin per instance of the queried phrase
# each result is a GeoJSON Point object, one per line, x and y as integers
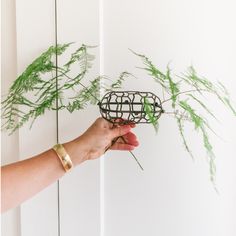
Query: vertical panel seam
{"type": "Point", "coordinates": [57, 115]}
{"type": "Point", "coordinates": [101, 72]}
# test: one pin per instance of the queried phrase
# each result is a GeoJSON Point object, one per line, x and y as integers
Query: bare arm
{"type": "Point", "coordinates": [22, 180]}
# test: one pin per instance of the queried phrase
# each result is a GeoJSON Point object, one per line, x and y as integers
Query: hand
{"type": "Point", "coordinates": [98, 138]}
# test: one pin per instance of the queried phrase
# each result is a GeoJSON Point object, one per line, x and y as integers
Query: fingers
{"type": "Point", "coordinates": [118, 123]}
{"type": "Point", "coordinates": [126, 143]}
{"type": "Point", "coordinates": [103, 123]}
{"type": "Point", "coordinates": [120, 131]}
{"type": "Point", "coordinates": [122, 147]}
{"type": "Point", "coordinates": [131, 138]}
{"type": "Point", "coordinates": [132, 125]}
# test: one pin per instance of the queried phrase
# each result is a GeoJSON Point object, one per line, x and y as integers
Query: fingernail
{"type": "Point", "coordinates": [136, 143]}
{"type": "Point", "coordinates": [132, 125]}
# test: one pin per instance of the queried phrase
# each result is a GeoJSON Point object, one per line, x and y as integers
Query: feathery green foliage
{"type": "Point", "coordinates": [202, 105]}
{"type": "Point", "coordinates": [42, 83]}
{"type": "Point", "coordinates": [149, 111]}
{"type": "Point", "coordinates": [174, 89]}
{"type": "Point", "coordinates": [186, 94]}
{"type": "Point", "coordinates": [117, 84]}
{"type": "Point", "coordinates": [156, 74]}
{"type": "Point", "coordinates": [196, 119]}
{"type": "Point", "coordinates": [181, 130]}
{"type": "Point", "coordinates": [199, 123]}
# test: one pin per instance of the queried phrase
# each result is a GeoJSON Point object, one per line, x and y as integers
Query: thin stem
{"type": "Point", "coordinates": [82, 86]}
{"type": "Point", "coordinates": [188, 91]}
{"type": "Point", "coordinates": [135, 158]}
{"type": "Point", "coordinates": [163, 94]}
{"type": "Point", "coordinates": [169, 112]}
{"type": "Point", "coordinates": [176, 113]}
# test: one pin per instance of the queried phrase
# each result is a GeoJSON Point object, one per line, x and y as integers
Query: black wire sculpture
{"type": "Point", "coordinates": [128, 107]}
{"type": "Point", "coordinates": [122, 107]}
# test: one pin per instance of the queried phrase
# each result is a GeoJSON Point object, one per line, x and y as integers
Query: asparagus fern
{"type": "Point", "coordinates": [43, 83]}
{"type": "Point", "coordinates": [43, 86]}
{"type": "Point", "coordinates": [185, 92]}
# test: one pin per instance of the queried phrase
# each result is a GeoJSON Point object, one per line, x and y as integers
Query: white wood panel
{"type": "Point", "coordinates": [10, 221]}
{"type": "Point", "coordinates": [78, 21]}
{"type": "Point", "coordinates": [35, 33]}
{"type": "Point", "coordinates": [79, 191]}
{"type": "Point", "coordinates": [173, 196]}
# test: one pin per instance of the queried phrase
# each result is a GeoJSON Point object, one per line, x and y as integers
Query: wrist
{"type": "Point", "coordinates": [77, 151]}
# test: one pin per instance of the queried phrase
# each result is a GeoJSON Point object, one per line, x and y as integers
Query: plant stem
{"type": "Point", "coordinates": [81, 85]}
{"type": "Point", "coordinates": [135, 158]}
{"type": "Point", "coordinates": [184, 92]}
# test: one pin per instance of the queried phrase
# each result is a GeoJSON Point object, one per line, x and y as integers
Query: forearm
{"type": "Point", "coordinates": [22, 180]}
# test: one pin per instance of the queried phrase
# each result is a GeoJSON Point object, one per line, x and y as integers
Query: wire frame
{"type": "Point", "coordinates": [122, 107]}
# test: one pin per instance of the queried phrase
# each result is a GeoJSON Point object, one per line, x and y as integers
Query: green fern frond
{"type": "Point", "coordinates": [211, 155]}
{"type": "Point", "coordinates": [149, 111]}
{"type": "Point", "coordinates": [174, 89]}
{"type": "Point", "coordinates": [198, 81]}
{"type": "Point", "coordinates": [43, 83]}
{"type": "Point", "coordinates": [81, 56]}
{"type": "Point", "coordinates": [188, 84]}
{"type": "Point", "coordinates": [181, 130]}
{"type": "Point", "coordinates": [156, 74]}
{"type": "Point", "coordinates": [117, 84]}
{"type": "Point", "coordinates": [40, 78]}
{"type": "Point", "coordinates": [200, 124]}
{"type": "Point", "coordinates": [196, 119]}
{"type": "Point", "coordinates": [202, 105]}
{"type": "Point", "coordinates": [89, 94]}
{"type": "Point", "coordinates": [227, 102]}
{"type": "Point", "coordinates": [223, 88]}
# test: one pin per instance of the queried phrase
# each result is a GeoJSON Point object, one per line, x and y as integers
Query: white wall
{"type": "Point", "coordinates": [78, 21]}
{"type": "Point", "coordinates": [10, 221]}
{"type": "Point", "coordinates": [173, 196]}
{"type": "Point", "coordinates": [35, 33]}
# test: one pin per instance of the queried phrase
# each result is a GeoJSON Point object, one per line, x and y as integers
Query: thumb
{"type": "Point", "coordinates": [120, 131]}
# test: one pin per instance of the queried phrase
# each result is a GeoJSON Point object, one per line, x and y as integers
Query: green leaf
{"type": "Point", "coordinates": [198, 81]}
{"type": "Point", "coordinates": [230, 106]}
{"type": "Point", "coordinates": [173, 88]}
{"type": "Point", "coordinates": [196, 119]}
{"type": "Point", "coordinates": [82, 56]}
{"type": "Point", "coordinates": [150, 112]}
{"type": "Point", "coordinates": [211, 155]}
{"type": "Point", "coordinates": [89, 94]}
{"type": "Point", "coordinates": [223, 88]}
{"type": "Point", "coordinates": [200, 124]}
{"type": "Point", "coordinates": [181, 130]}
{"type": "Point", "coordinates": [156, 74]}
{"type": "Point", "coordinates": [119, 81]}
{"type": "Point", "coordinates": [39, 78]}
{"type": "Point", "coordinates": [202, 105]}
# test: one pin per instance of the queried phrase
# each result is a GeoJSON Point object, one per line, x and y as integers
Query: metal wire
{"type": "Point", "coordinates": [57, 118]}
{"type": "Point", "coordinates": [122, 107]}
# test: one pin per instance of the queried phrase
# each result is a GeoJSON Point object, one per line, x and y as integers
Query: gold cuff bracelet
{"type": "Point", "coordinates": [63, 156]}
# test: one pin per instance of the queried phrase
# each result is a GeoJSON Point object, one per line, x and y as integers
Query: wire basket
{"type": "Point", "coordinates": [122, 107]}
